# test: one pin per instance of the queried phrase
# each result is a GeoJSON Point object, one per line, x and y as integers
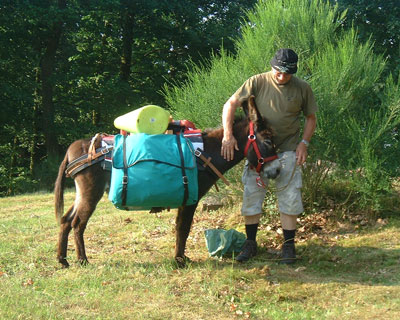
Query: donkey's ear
{"type": "Point", "coordinates": [245, 107]}
{"type": "Point", "coordinates": [252, 112]}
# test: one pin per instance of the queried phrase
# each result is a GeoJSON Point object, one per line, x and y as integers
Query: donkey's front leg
{"type": "Point", "coordinates": [184, 221]}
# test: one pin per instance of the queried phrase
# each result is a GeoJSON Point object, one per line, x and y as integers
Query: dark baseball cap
{"type": "Point", "coordinates": [285, 60]}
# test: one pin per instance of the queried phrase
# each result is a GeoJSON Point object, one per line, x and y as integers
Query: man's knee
{"type": "Point", "coordinates": [254, 219]}
{"type": "Point", "coordinates": [288, 221]}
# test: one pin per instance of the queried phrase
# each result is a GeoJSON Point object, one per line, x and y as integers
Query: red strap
{"type": "Point", "coordinates": [252, 141]}
{"type": "Point", "coordinates": [251, 138]}
{"type": "Point", "coordinates": [187, 124]}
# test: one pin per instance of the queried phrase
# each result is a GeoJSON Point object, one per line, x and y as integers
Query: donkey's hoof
{"type": "Point", "coordinates": [64, 263]}
{"type": "Point", "coordinates": [83, 262]}
{"type": "Point", "coordinates": [182, 261]}
{"type": "Point", "coordinates": [156, 209]}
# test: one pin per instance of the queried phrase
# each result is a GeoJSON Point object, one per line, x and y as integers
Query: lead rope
{"type": "Point", "coordinates": [261, 183]}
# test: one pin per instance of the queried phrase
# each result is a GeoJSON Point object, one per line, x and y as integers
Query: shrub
{"type": "Point", "coordinates": [358, 111]}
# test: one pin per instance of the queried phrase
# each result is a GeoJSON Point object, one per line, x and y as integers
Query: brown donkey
{"type": "Point", "coordinates": [91, 182]}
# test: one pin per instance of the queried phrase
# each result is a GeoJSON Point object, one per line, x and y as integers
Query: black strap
{"type": "Point", "coordinates": [105, 150]}
{"type": "Point", "coordinates": [125, 178]}
{"type": "Point", "coordinates": [84, 166]}
{"type": "Point", "coordinates": [184, 177]}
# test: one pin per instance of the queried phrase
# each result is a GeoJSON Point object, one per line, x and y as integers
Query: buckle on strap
{"type": "Point", "coordinates": [185, 180]}
{"type": "Point", "coordinates": [106, 150]}
{"type": "Point", "coordinates": [125, 180]}
{"type": "Point", "coordinates": [260, 182]}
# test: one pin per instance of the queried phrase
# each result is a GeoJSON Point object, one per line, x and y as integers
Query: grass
{"type": "Point", "coordinates": [347, 270]}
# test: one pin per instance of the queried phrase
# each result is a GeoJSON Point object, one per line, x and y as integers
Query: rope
{"type": "Point", "coordinates": [261, 183]}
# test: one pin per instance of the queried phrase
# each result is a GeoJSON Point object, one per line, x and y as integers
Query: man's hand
{"type": "Point", "coordinates": [309, 128]}
{"type": "Point", "coordinates": [301, 153]}
{"type": "Point", "coordinates": [229, 145]}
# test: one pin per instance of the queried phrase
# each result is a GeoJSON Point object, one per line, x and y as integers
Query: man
{"type": "Point", "coordinates": [281, 99]}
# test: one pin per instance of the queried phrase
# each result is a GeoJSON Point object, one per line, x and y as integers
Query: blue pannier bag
{"type": "Point", "coordinates": [157, 170]}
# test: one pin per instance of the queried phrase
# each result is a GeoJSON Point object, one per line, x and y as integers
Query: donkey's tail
{"type": "Point", "coordinates": [59, 189]}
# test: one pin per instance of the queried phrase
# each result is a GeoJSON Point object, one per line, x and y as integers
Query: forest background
{"type": "Point", "coordinates": [68, 68]}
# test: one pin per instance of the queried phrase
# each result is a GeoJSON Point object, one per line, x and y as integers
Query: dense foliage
{"type": "Point", "coordinates": [359, 104]}
{"type": "Point", "coordinates": [69, 67]}
{"type": "Point", "coordinates": [377, 21]}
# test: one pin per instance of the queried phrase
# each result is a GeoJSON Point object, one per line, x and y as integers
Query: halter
{"type": "Point", "coordinates": [252, 141]}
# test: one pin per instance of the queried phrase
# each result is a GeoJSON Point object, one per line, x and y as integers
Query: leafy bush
{"type": "Point", "coordinates": [358, 111]}
{"type": "Point", "coordinates": [18, 179]}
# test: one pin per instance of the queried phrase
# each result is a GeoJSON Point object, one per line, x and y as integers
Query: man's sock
{"type": "Point", "coordinates": [251, 231]}
{"type": "Point", "coordinates": [289, 235]}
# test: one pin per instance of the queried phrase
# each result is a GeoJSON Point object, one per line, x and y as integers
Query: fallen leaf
{"type": "Point", "coordinates": [381, 222]}
{"type": "Point", "coordinates": [28, 282]}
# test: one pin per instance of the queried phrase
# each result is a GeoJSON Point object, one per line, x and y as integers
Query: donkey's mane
{"type": "Point", "coordinates": [218, 133]}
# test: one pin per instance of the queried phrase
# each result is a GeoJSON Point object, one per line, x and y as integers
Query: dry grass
{"type": "Point", "coordinates": [348, 269]}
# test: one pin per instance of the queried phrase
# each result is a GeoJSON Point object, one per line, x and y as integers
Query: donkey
{"type": "Point", "coordinates": [91, 183]}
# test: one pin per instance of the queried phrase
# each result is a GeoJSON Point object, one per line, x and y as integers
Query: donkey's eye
{"type": "Point", "coordinates": [268, 143]}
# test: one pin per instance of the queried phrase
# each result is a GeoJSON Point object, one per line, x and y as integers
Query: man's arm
{"type": "Point", "coordinates": [229, 143]}
{"type": "Point", "coordinates": [309, 129]}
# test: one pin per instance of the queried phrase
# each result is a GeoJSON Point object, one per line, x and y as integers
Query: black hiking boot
{"type": "Point", "coordinates": [288, 254]}
{"type": "Point", "coordinates": [249, 250]}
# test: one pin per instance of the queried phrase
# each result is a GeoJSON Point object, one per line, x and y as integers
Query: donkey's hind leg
{"type": "Point", "coordinates": [65, 229]}
{"type": "Point", "coordinates": [79, 229]}
{"type": "Point", "coordinates": [86, 202]}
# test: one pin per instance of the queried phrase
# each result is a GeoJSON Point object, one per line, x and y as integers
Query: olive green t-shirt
{"type": "Point", "coordinates": [280, 105]}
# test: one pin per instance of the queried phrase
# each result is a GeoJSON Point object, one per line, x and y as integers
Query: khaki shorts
{"type": "Point", "coordinates": [288, 188]}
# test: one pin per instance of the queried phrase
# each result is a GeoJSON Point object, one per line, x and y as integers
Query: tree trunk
{"type": "Point", "coordinates": [13, 162]}
{"type": "Point", "coordinates": [47, 66]}
{"type": "Point", "coordinates": [35, 125]}
{"type": "Point", "coordinates": [126, 59]}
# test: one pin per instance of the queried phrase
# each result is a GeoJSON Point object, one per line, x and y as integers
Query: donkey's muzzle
{"type": "Point", "coordinates": [272, 169]}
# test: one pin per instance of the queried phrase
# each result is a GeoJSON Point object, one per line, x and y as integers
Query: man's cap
{"type": "Point", "coordinates": [285, 60]}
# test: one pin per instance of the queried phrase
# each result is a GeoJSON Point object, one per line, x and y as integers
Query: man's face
{"type": "Point", "coordinates": [281, 77]}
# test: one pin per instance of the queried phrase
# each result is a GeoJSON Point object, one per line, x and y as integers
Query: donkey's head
{"type": "Point", "coordinates": [260, 150]}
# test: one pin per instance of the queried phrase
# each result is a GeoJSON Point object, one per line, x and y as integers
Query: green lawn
{"type": "Point", "coordinates": [346, 271]}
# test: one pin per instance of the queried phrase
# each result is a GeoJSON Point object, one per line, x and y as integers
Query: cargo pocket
{"type": "Point", "coordinates": [245, 173]}
{"type": "Point", "coordinates": [298, 181]}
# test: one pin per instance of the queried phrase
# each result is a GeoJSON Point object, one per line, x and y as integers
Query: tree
{"type": "Point", "coordinates": [359, 105]}
{"type": "Point", "coordinates": [378, 20]}
{"type": "Point", "coordinates": [69, 67]}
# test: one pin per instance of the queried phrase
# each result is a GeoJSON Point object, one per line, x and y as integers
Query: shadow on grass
{"type": "Point", "coordinates": [318, 262]}
{"type": "Point", "coordinates": [363, 264]}
{"type": "Point", "coordinates": [356, 261]}
{"type": "Point", "coordinates": [323, 264]}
